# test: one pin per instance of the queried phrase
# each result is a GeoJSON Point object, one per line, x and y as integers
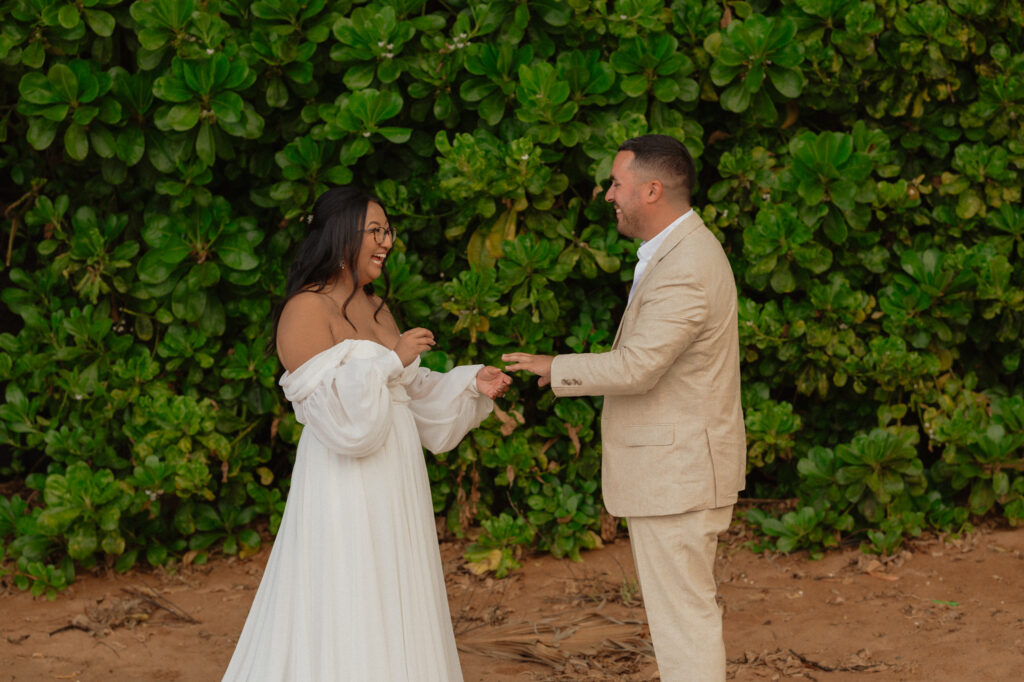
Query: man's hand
{"type": "Point", "coordinates": [538, 364]}
{"type": "Point", "coordinates": [492, 382]}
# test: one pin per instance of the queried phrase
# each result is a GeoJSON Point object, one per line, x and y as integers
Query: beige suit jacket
{"type": "Point", "coordinates": [672, 424]}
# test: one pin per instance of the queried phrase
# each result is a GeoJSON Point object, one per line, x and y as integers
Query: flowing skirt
{"type": "Point", "coordinates": [353, 589]}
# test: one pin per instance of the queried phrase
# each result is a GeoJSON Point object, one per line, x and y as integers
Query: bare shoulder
{"type": "Point", "coordinates": [307, 304]}
{"type": "Point", "coordinates": [304, 329]}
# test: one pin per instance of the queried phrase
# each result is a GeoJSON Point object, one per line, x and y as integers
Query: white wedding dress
{"type": "Point", "coordinates": [353, 589]}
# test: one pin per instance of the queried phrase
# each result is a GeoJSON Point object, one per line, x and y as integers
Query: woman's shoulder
{"type": "Point", "coordinates": [304, 329]}
{"type": "Point", "coordinates": [308, 298]}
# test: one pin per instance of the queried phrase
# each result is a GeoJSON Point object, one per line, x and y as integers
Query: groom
{"type": "Point", "coordinates": [674, 449]}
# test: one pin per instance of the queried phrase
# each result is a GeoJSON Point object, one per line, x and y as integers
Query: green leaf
{"type": "Point", "coordinates": [34, 55]}
{"type": "Point", "coordinates": [64, 81]}
{"type": "Point", "coordinates": [156, 555]}
{"type": "Point", "coordinates": [188, 301]}
{"type": "Point", "coordinates": [101, 23]}
{"type": "Point", "coordinates": [249, 538]}
{"type": "Point", "coordinates": [36, 88]}
{"type": "Point", "coordinates": [763, 107]}
{"type": "Point", "coordinates": [53, 520]}
{"type": "Point", "coordinates": [1000, 483]}
{"type": "Point", "coordinates": [83, 542]}
{"type": "Point", "coordinates": [206, 146]}
{"type": "Point", "coordinates": [835, 226]}
{"type": "Point", "coordinates": [396, 135]}
{"type": "Point", "coordinates": [172, 89]}
{"type": "Point", "coordinates": [131, 145]}
{"type": "Point", "coordinates": [152, 269]}
{"type": "Point", "coordinates": [236, 252]}
{"type": "Point", "coordinates": [228, 107]}
{"type": "Point", "coordinates": [76, 142]}
{"type": "Point", "coordinates": [473, 89]}
{"type": "Point", "coordinates": [112, 544]}
{"type": "Point", "coordinates": [68, 16]}
{"type": "Point", "coordinates": [492, 109]}
{"type": "Point", "coordinates": [103, 141]}
{"type": "Point", "coordinates": [554, 12]}
{"type": "Point", "coordinates": [277, 93]}
{"type": "Point", "coordinates": [389, 70]}
{"type": "Point", "coordinates": [635, 85]}
{"type": "Point", "coordinates": [84, 115]}
{"type": "Point", "coordinates": [339, 175]}
{"type": "Point", "coordinates": [353, 150]}
{"type": "Point", "coordinates": [207, 519]}
{"type": "Point", "coordinates": [787, 81]}
{"type": "Point", "coordinates": [144, 327]}
{"type": "Point", "coordinates": [782, 279]}
{"type": "Point", "coordinates": [754, 78]}
{"type": "Point", "coordinates": [41, 133]}
{"type": "Point", "coordinates": [183, 116]}
{"type": "Point", "coordinates": [736, 98]}
{"type": "Point", "coordinates": [213, 320]}
{"type": "Point", "coordinates": [359, 76]}
{"type": "Point", "coordinates": [126, 561]}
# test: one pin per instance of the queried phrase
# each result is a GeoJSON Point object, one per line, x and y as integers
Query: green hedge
{"type": "Point", "coordinates": [860, 160]}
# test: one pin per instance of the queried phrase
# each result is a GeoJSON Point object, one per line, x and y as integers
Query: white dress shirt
{"type": "Point", "coordinates": [647, 250]}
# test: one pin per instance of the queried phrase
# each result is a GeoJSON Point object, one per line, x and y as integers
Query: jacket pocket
{"type": "Point", "coordinates": [644, 435]}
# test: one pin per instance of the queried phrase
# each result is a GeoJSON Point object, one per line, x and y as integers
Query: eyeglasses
{"type": "Point", "coordinates": [379, 233]}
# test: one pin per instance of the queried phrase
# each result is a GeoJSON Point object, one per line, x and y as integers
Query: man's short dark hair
{"type": "Point", "coordinates": [665, 158]}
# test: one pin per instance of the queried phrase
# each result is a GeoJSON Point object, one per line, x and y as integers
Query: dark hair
{"type": "Point", "coordinates": [662, 155]}
{"type": "Point", "coordinates": [333, 241]}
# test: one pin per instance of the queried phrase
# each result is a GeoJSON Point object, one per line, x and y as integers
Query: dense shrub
{"type": "Point", "coordinates": [860, 160]}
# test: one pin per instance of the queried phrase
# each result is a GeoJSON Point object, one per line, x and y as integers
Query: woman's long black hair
{"type": "Point", "coordinates": [334, 238]}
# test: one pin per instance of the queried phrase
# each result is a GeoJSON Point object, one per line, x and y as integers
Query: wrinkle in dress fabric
{"type": "Point", "coordinates": [353, 589]}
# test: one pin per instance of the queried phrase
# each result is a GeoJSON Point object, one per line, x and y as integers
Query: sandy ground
{"type": "Point", "coordinates": [943, 609]}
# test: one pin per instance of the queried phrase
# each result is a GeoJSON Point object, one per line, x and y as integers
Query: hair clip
{"type": "Point", "coordinates": [309, 218]}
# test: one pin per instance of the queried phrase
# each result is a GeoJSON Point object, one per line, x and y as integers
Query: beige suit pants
{"type": "Point", "coordinates": [675, 560]}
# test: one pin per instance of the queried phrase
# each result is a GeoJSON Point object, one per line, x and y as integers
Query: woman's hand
{"type": "Point", "coordinates": [492, 382]}
{"type": "Point", "coordinates": [411, 343]}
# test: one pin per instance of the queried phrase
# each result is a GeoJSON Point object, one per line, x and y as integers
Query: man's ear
{"type": "Point", "coordinates": [654, 191]}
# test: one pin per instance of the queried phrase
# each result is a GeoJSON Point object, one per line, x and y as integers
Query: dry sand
{"type": "Point", "coordinates": [943, 609]}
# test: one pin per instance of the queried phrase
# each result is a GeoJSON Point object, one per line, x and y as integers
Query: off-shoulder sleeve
{"type": "Point", "coordinates": [446, 406]}
{"type": "Point", "coordinates": [347, 406]}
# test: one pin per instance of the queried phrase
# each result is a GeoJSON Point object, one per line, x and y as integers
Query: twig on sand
{"type": "Point", "coordinates": [850, 668]}
{"type": "Point", "coordinates": [555, 639]}
{"type": "Point", "coordinates": [127, 612]}
{"type": "Point", "coordinates": [793, 664]}
{"type": "Point", "coordinates": [148, 594]}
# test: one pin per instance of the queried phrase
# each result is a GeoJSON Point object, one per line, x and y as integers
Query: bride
{"type": "Point", "coordinates": [353, 588]}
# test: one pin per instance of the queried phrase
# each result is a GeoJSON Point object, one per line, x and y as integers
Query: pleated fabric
{"type": "Point", "coordinates": [353, 589]}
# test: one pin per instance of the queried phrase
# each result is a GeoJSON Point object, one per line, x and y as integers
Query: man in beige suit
{"type": "Point", "coordinates": [674, 449]}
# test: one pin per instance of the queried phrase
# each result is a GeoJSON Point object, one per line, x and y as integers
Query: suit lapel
{"type": "Point", "coordinates": [672, 241]}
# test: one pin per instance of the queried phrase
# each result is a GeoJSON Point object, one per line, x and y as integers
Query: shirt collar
{"type": "Point", "coordinates": [650, 247]}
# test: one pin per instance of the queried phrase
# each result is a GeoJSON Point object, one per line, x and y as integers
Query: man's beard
{"type": "Point", "coordinates": [628, 225]}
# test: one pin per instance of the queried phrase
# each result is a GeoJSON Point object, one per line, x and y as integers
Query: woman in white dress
{"type": "Point", "coordinates": [353, 588]}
